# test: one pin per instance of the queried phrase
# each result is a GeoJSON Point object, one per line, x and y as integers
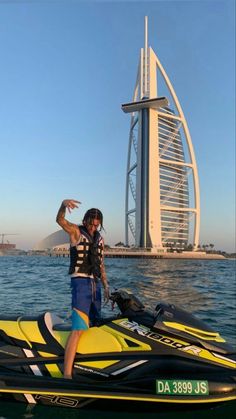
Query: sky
{"type": "Point", "coordinates": [66, 68]}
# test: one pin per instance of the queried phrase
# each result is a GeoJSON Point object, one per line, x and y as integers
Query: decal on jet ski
{"type": "Point", "coordinates": [90, 370]}
{"type": "Point", "coordinates": [193, 349]}
{"type": "Point", "coordinates": [30, 399]}
{"type": "Point", "coordinates": [8, 353]}
{"type": "Point", "coordinates": [224, 358]}
{"type": "Point", "coordinates": [58, 400]}
{"type": "Point", "coordinates": [145, 331]}
{"type": "Point", "coordinates": [129, 367]}
{"type": "Point", "coordinates": [34, 368]}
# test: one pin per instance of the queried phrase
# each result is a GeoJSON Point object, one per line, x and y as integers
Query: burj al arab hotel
{"type": "Point", "coordinates": [162, 207]}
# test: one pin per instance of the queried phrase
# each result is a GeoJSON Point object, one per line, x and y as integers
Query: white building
{"type": "Point", "coordinates": [162, 187]}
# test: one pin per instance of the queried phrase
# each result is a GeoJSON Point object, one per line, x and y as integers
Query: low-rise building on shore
{"type": "Point", "coordinates": [63, 251]}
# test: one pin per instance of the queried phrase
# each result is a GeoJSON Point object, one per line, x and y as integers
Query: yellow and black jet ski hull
{"type": "Point", "coordinates": [130, 358]}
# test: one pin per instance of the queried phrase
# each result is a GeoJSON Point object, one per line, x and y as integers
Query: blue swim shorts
{"type": "Point", "coordinates": [86, 302]}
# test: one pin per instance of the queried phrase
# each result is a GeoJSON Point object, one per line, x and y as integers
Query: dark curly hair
{"type": "Point", "coordinates": [93, 214]}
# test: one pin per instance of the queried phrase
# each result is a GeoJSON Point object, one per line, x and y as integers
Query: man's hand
{"type": "Point", "coordinates": [70, 204]}
{"type": "Point", "coordinates": [106, 295]}
{"type": "Point", "coordinates": [71, 228]}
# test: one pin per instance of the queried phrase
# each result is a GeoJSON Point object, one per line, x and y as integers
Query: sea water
{"type": "Point", "coordinates": [207, 288]}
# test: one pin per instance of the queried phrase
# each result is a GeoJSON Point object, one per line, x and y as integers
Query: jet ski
{"type": "Point", "coordinates": [164, 355]}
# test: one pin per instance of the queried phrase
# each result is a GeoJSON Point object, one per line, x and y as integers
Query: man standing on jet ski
{"type": "Point", "coordinates": [86, 270]}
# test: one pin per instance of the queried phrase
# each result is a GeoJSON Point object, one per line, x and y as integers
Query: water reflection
{"type": "Point", "coordinates": [173, 281]}
{"type": "Point", "coordinates": [17, 411]}
{"type": "Point", "coordinates": [206, 288]}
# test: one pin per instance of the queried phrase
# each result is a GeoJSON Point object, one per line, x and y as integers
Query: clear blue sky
{"type": "Point", "coordinates": [66, 68]}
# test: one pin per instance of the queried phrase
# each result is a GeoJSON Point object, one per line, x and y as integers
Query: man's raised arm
{"type": "Point", "coordinates": [69, 204]}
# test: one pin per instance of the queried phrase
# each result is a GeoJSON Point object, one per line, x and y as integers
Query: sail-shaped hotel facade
{"type": "Point", "coordinates": [162, 207]}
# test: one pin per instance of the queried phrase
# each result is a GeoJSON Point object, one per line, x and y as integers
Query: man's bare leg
{"type": "Point", "coordinates": [70, 351]}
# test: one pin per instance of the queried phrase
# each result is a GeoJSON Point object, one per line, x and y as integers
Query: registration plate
{"type": "Point", "coordinates": [182, 387]}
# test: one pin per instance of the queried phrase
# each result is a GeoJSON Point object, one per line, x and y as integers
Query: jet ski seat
{"type": "Point", "coordinates": [95, 339]}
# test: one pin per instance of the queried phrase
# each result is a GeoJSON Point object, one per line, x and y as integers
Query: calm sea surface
{"type": "Point", "coordinates": [31, 285]}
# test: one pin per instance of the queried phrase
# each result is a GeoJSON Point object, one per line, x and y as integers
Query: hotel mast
{"type": "Point", "coordinates": [162, 188]}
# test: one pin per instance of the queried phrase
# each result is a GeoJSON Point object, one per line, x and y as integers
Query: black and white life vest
{"type": "Point", "coordinates": [86, 256]}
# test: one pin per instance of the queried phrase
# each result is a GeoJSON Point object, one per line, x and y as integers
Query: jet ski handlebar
{"type": "Point", "coordinates": [126, 301]}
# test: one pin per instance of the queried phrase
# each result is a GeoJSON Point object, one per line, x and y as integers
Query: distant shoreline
{"type": "Point", "coordinates": [149, 255]}
{"type": "Point", "coordinates": [136, 254]}
{"type": "Point", "coordinates": [127, 254]}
